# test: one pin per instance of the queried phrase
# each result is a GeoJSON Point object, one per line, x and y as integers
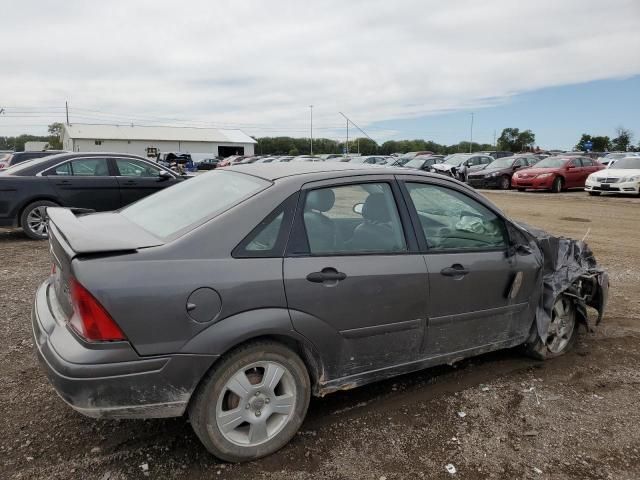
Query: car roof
{"type": "Point", "coordinates": [274, 171]}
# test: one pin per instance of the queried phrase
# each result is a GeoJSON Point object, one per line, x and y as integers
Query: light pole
{"type": "Point", "coordinates": [471, 140]}
{"type": "Point", "coordinates": [311, 108]}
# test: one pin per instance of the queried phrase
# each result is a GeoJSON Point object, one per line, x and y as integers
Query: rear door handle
{"type": "Point", "coordinates": [455, 270]}
{"type": "Point", "coordinates": [326, 275]}
{"type": "Point", "coordinates": [63, 182]}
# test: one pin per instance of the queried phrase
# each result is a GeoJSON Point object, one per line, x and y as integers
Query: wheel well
{"type": "Point", "coordinates": [308, 355]}
{"type": "Point", "coordinates": [33, 200]}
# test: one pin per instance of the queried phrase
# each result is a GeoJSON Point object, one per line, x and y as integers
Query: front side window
{"type": "Point", "coordinates": [63, 169]}
{"type": "Point", "coordinates": [353, 219]}
{"type": "Point", "coordinates": [452, 221]}
{"type": "Point", "coordinates": [128, 167]}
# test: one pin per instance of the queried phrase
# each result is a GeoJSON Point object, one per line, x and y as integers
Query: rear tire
{"type": "Point", "coordinates": [505, 183]}
{"type": "Point", "coordinates": [521, 189]}
{"type": "Point", "coordinates": [273, 396]}
{"type": "Point", "coordinates": [556, 186]}
{"type": "Point", "coordinates": [562, 335]}
{"type": "Point", "coordinates": [33, 219]}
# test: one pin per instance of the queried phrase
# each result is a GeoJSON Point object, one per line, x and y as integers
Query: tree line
{"type": "Point", "coordinates": [510, 140]}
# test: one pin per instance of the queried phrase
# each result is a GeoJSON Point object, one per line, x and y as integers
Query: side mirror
{"type": "Point", "coordinates": [164, 175]}
{"type": "Point", "coordinates": [357, 208]}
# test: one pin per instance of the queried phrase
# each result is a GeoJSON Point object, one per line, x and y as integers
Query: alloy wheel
{"type": "Point", "coordinates": [563, 322]}
{"type": "Point", "coordinates": [37, 221]}
{"type": "Point", "coordinates": [256, 403]}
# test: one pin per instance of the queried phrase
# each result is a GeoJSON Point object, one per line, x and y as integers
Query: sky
{"type": "Point", "coordinates": [400, 69]}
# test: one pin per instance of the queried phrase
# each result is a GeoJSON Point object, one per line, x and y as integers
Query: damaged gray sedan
{"type": "Point", "coordinates": [287, 281]}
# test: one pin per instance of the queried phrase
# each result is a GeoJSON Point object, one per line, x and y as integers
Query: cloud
{"type": "Point", "coordinates": [260, 64]}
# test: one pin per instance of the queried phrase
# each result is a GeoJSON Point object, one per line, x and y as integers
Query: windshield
{"type": "Point", "coordinates": [551, 162]}
{"type": "Point", "coordinates": [192, 202]}
{"type": "Point", "coordinates": [407, 156]}
{"type": "Point", "coordinates": [614, 156]}
{"type": "Point", "coordinates": [358, 159]}
{"type": "Point", "coordinates": [505, 162]}
{"type": "Point", "coordinates": [455, 159]}
{"type": "Point", "coordinates": [415, 163]}
{"type": "Point", "coordinates": [627, 163]}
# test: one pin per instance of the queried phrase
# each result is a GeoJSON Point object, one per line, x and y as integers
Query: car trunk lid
{"type": "Point", "coordinates": [72, 236]}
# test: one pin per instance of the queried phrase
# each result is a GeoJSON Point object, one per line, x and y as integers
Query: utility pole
{"type": "Point", "coordinates": [495, 145]}
{"type": "Point", "coordinates": [363, 132]}
{"type": "Point", "coordinates": [471, 140]}
{"type": "Point", "coordinates": [66, 107]}
{"type": "Point", "coordinates": [358, 145]}
{"type": "Point", "coordinates": [311, 108]}
{"type": "Point", "coordinates": [347, 144]}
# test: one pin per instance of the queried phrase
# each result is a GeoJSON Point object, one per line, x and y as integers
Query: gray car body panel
{"type": "Point", "coordinates": [393, 314]}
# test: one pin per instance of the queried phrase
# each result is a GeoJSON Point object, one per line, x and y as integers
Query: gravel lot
{"type": "Point", "coordinates": [496, 416]}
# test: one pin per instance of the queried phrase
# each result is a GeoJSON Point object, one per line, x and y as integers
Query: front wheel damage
{"type": "Point", "coordinates": [571, 281]}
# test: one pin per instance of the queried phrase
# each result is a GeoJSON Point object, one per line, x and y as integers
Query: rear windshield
{"type": "Point", "coordinates": [192, 202]}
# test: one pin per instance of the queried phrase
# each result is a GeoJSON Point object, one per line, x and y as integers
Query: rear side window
{"type": "Point", "coordinates": [89, 167]}
{"type": "Point", "coordinates": [452, 221]}
{"type": "Point", "coordinates": [352, 219]}
{"type": "Point", "coordinates": [268, 238]}
{"type": "Point", "coordinates": [179, 208]}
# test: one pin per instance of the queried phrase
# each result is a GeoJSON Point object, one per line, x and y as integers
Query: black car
{"type": "Point", "coordinates": [93, 181]}
{"type": "Point", "coordinates": [423, 162]}
{"type": "Point", "coordinates": [207, 164]}
{"type": "Point", "coordinates": [499, 172]}
{"type": "Point", "coordinates": [18, 157]}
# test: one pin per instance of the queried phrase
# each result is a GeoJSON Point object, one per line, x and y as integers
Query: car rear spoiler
{"type": "Point", "coordinates": [98, 233]}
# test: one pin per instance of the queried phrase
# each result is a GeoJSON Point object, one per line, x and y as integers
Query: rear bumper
{"type": "Point", "coordinates": [94, 383]}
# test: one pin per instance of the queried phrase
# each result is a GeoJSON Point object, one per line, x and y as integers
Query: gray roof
{"type": "Point", "coordinates": [139, 132]}
{"type": "Point", "coordinates": [273, 171]}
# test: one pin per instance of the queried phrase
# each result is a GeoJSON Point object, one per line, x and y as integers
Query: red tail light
{"type": "Point", "coordinates": [90, 320]}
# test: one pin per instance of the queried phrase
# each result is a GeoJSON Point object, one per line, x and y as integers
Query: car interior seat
{"type": "Point", "coordinates": [376, 232]}
{"type": "Point", "coordinates": [321, 230]}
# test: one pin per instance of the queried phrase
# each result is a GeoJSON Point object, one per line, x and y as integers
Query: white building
{"type": "Point", "coordinates": [141, 140]}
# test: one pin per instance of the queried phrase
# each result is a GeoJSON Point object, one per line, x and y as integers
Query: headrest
{"type": "Point", "coordinates": [376, 209]}
{"type": "Point", "coordinates": [321, 200]}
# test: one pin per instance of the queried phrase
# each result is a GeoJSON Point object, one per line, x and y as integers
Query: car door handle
{"type": "Point", "coordinates": [326, 275]}
{"type": "Point", "coordinates": [63, 182]}
{"type": "Point", "coordinates": [129, 182]}
{"type": "Point", "coordinates": [455, 270]}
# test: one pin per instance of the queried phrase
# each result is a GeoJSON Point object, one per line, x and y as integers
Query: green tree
{"type": "Point", "coordinates": [599, 143]}
{"type": "Point", "coordinates": [623, 139]}
{"type": "Point", "coordinates": [513, 140]}
{"type": "Point", "coordinates": [55, 135]}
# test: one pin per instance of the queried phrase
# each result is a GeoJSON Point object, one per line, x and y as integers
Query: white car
{"type": "Point", "coordinates": [623, 177]}
{"type": "Point", "coordinates": [611, 158]}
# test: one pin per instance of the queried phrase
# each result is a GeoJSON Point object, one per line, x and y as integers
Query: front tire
{"type": "Point", "coordinates": [594, 194]}
{"type": "Point", "coordinates": [562, 334]}
{"type": "Point", "coordinates": [33, 219]}
{"type": "Point", "coordinates": [505, 183]}
{"type": "Point", "coordinates": [252, 402]}
{"type": "Point", "coordinates": [556, 186]}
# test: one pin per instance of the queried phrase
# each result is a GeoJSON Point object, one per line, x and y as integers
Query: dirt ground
{"type": "Point", "coordinates": [496, 416]}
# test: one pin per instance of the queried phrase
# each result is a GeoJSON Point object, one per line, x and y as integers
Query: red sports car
{"type": "Point", "coordinates": [556, 174]}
